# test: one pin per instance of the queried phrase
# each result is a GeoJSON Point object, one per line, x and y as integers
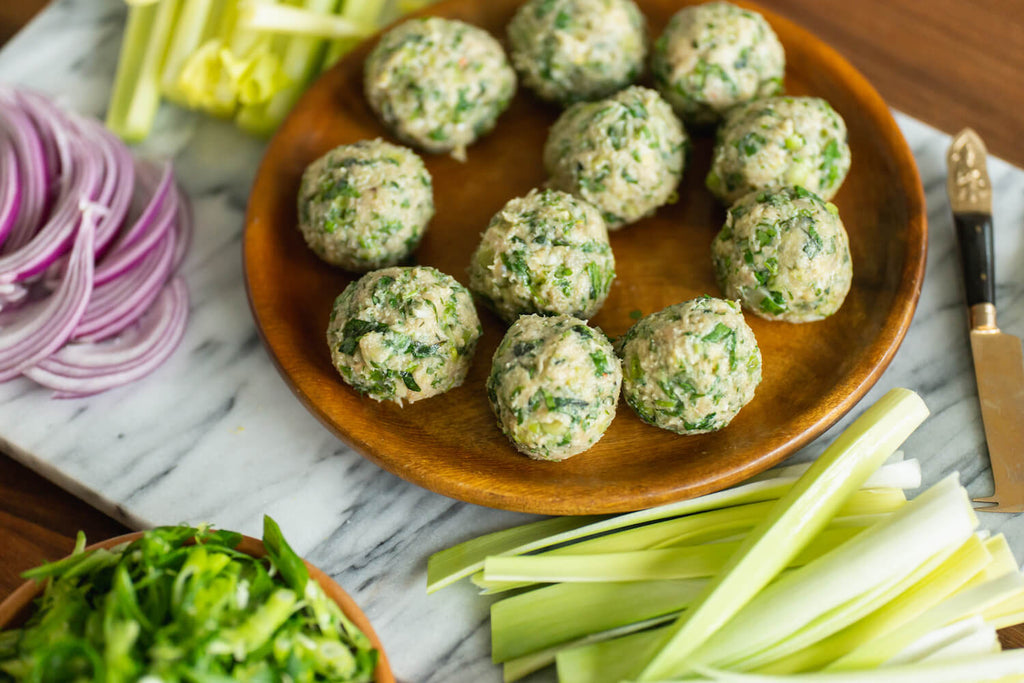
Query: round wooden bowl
{"type": "Point", "coordinates": [18, 606]}
{"type": "Point", "coordinates": [813, 373]}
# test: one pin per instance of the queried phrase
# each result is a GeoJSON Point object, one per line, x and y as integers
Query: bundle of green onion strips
{"type": "Point", "coordinates": [822, 573]}
{"type": "Point", "coordinates": [181, 604]}
{"type": "Point", "coordinates": [247, 60]}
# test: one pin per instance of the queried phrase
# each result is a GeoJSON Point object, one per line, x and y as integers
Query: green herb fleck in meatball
{"type": "Point", "coordinates": [714, 56]}
{"type": "Point", "coordinates": [438, 83]}
{"type": "Point", "coordinates": [402, 334]}
{"type": "Point", "coordinates": [624, 154]}
{"type": "Point", "coordinates": [366, 205]}
{"type": "Point", "coordinates": [572, 50]}
{"type": "Point", "coordinates": [785, 255]}
{"type": "Point", "coordinates": [545, 253]}
{"type": "Point", "coordinates": [777, 142]}
{"type": "Point", "coordinates": [691, 367]}
{"type": "Point", "coordinates": [554, 386]}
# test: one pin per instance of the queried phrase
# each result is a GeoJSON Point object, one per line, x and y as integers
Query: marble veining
{"type": "Point", "coordinates": [216, 435]}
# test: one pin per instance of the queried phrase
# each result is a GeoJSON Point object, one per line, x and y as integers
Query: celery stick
{"type": "Point", "coordinates": [844, 585]}
{"type": "Point", "coordinates": [946, 637]}
{"type": "Point", "coordinates": [797, 517]}
{"type": "Point", "coordinates": [448, 566]}
{"type": "Point", "coordinates": [301, 61]}
{"type": "Point", "coordinates": [698, 534]}
{"type": "Point", "coordinates": [1000, 666]}
{"type": "Point", "coordinates": [894, 474]}
{"type": "Point", "coordinates": [520, 667]}
{"type": "Point", "coordinates": [966, 602]}
{"type": "Point", "coordinates": [942, 582]}
{"type": "Point", "coordinates": [312, 21]}
{"type": "Point", "coordinates": [535, 621]}
{"type": "Point", "coordinates": [136, 95]}
{"type": "Point", "coordinates": [196, 22]}
{"type": "Point", "coordinates": [642, 565]}
{"type": "Point", "coordinates": [364, 12]}
{"type": "Point", "coordinates": [612, 661]}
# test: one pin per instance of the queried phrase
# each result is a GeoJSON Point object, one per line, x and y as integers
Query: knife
{"type": "Point", "coordinates": [998, 358]}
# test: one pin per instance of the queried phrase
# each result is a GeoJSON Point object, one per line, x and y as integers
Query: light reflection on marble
{"type": "Point", "coordinates": [215, 434]}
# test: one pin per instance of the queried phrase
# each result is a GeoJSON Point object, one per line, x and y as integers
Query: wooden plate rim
{"type": "Point", "coordinates": [844, 396]}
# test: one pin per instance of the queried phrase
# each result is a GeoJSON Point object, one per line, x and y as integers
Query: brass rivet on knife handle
{"type": "Point", "coordinates": [967, 183]}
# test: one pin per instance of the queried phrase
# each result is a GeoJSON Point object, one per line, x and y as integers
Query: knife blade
{"type": "Point", "coordinates": [998, 357]}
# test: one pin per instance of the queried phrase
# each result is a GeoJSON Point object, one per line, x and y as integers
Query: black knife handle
{"type": "Point", "coordinates": [977, 256]}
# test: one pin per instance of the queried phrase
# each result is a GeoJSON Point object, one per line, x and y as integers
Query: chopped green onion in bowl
{"type": "Point", "coordinates": [186, 604]}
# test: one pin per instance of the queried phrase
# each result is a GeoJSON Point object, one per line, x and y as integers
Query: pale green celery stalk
{"type": "Point", "coordinates": [362, 12]}
{"type": "Point", "coordinates": [1003, 562]}
{"type": "Point", "coordinates": [643, 565]}
{"type": "Point", "coordinates": [713, 525]}
{"type": "Point", "coordinates": [448, 566]}
{"type": "Point", "coordinates": [942, 582]}
{"type": "Point", "coordinates": [611, 661]}
{"type": "Point", "coordinates": [520, 667]}
{"type": "Point", "coordinates": [846, 584]}
{"type": "Point", "coordinates": [310, 20]}
{"type": "Point", "coordinates": [1000, 666]}
{"type": "Point", "coordinates": [964, 603]}
{"type": "Point", "coordinates": [950, 636]}
{"type": "Point", "coordinates": [205, 81]}
{"type": "Point", "coordinates": [535, 621]}
{"type": "Point", "coordinates": [982, 641]}
{"type": "Point", "coordinates": [897, 473]}
{"type": "Point", "coordinates": [796, 518]}
{"type": "Point", "coordinates": [136, 95]}
{"type": "Point", "coordinates": [197, 21]}
{"type": "Point", "coordinates": [300, 62]}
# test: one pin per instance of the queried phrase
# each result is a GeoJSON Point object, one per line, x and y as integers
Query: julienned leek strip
{"type": "Point", "coordinates": [797, 517]}
{"type": "Point", "coordinates": [1005, 666]}
{"type": "Point", "coordinates": [641, 565]}
{"type": "Point", "coordinates": [937, 586]}
{"type": "Point", "coordinates": [447, 566]}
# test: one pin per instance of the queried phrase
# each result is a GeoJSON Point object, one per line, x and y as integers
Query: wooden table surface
{"type": "Point", "coordinates": [950, 63]}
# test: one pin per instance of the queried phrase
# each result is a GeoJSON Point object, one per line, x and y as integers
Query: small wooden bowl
{"type": "Point", "coordinates": [17, 607]}
{"type": "Point", "coordinates": [813, 373]}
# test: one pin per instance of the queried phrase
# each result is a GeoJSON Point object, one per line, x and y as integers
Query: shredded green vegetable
{"type": "Point", "coordinates": [181, 604]}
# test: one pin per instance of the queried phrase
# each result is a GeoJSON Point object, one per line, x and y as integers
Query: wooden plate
{"type": "Point", "coordinates": [18, 605]}
{"type": "Point", "coordinates": [813, 373]}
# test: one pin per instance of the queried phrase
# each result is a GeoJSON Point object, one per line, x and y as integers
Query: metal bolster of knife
{"type": "Point", "coordinates": [974, 232]}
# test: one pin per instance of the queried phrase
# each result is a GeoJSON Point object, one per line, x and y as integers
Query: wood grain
{"type": "Point", "coordinates": [813, 373]}
{"type": "Point", "coordinates": [963, 70]}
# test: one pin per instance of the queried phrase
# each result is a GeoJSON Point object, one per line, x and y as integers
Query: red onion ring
{"type": "Point", "coordinates": [89, 246]}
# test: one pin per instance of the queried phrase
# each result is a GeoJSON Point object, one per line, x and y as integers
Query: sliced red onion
{"type": "Point", "coordinates": [82, 369]}
{"type": "Point", "coordinates": [117, 304]}
{"type": "Point", "coordinates": [39, 330]}
{"type": "Point", "coordinates": [33, 173]}
{"type": "Point", "coordinates": [89, 243]}
{"type": "Point", "coordinates": [79, 188]}
{"type": "Point", "coordinates": [10, 188]}
{"type": "Point", "coordinates": [156, 219]}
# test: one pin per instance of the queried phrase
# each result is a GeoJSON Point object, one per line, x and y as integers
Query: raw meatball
{"type": "Point", "coordinates": [776, 142]}
{"type": "Point", "coordinates": [785, 255]}
{"type": "Point", "coordinates": [689, 368]}
{"type": "Point", "coordinates": [712, 57]}
{"type": "Point", "coordinates": [402, 334]}
{"type": "Point", "coordinates": [545, 253]}
{"type": "Point", "coordinates": [438, 83]}
{"type": "Point", "coordinates": [554, 386]}
{"type": "Point", "coordinates": [366, 205]}
{"type": "Point", "coordinates": [623, 154]}
{"type": "Point", "coordinates": [571, 50]}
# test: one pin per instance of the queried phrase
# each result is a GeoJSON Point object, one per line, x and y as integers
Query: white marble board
{"type": "Point", "coordinates": [215, 435]}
